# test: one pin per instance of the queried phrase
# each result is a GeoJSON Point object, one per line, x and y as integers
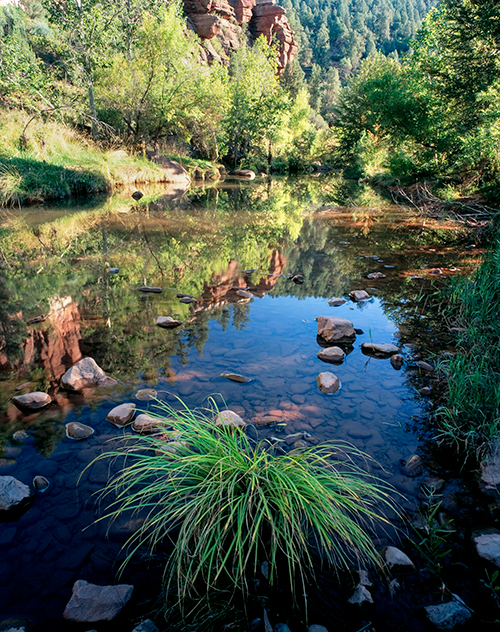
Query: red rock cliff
{"type": "Point", "coordinates": [224, 18]}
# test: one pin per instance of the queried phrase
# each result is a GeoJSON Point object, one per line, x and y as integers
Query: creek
{"type": "Point", "coordinates": [59, 263]}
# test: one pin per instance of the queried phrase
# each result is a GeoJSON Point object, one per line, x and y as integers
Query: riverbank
{"type": "Point", "coordinates": [47, 160]}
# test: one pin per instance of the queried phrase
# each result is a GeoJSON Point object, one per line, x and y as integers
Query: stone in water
{"type": "Point", "coordinates": [328, 382]}
{"type": "Point", "coordinates": [121, 415]}
{"type": "Point", "coordinates": [76, 430]}
{"type": "Point", "coordinates": [331, 354]}
{"type": "Point", "coordinates": [359, 295]}
{"type": "Point", "coordinates": [32, 401]}
{"type": "Point", "coordinates": [236, 377]}
{"type": "Point", "coordinates": [150, 289]}
{"type": "Point", "coordinates": [145, 394]}
{"type": "Point", "coordinates": [167, 322]}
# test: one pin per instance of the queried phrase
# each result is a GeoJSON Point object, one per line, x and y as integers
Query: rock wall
{"type": "Point", "coordinates": [224, 19]}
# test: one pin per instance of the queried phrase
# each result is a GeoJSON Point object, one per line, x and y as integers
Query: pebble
{"type": "Point", "coordinates": [397, 560]}
{"type": "Point", "coordinates": [361, 596]}
{"type": "Point", "coordinates": [137, 195]}
{"type": "Point", "coordinates": [22, 386]}
{"type": "Point", "coordinates": [113, 270]}
{"type": "Point", "coordinates": [187, 300]}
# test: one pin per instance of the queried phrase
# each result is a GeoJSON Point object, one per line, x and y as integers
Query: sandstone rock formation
{"type": "Point", "coordinates": [224, 19]}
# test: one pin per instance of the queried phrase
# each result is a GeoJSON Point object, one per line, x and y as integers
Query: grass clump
{"type": "Point", "coordinates": [470, 417]}
{"type": "Point", "coordinates": [233, 502]}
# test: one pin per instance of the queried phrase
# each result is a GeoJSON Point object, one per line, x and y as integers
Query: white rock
{"type": "Point", "coordinates": [331, 354]}
{"type": "Point", "coordinates": [328, 382]}
{"type": "Point", "coordinates": [446, 616]}
{"type": "Point", "coordinates": [488, 546]}
{"type": "Point", "coordinates": [384, 349]}
{"type": "Point", "coordinates": [12, 492]}
{"type": "Point", "coordinates": [359, 295]}
{"type": "Point", "coordinates": [32, 401]}
{"type": "Point", "coordinates": [396, 559]}
{"type": "Point", "coordinates": [121, 415]}
{"type": "Point", "coordinates": [85, 374]}
{"type": "Point", "coordinates": [361, 596]}
{"type": "Point", "coordinates": [229, 419]}
{"type": "Point", "coordinates": [90, 602]}
{"type": "Point", "coordinates": [334, 329]}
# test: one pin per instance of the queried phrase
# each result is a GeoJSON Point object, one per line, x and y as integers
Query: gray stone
{"type": "Point", "coordinates": [85, 374]}
{"type": "Point", "coordinates": [397, 560]}
{"type": "Point", "coordinates": [425, 391]}
{"type": "Point", "coordinates": [146, 626]}
{"type": "Point", "coordinates": [490, 472]}
{"type": "Point", "coordinates": [361, 596]}
{"type": "Point", "coordinates": [334, 329]}
{"type": "Point", "coordinates": [359, 295]}
{"type": "Point", "coordinates": [397, 361]}
{"type": "Point", "coordinates": [76, 430]}
{"type": "Point", "coordinates": [446, 616]}
{"type": "Point", "coordinates": [167, 322]}
{"type": "Point", "coordinates": [32, 401]}
{"type": "Point", "coordinates": [385, 349]}
{"type": "Point", "coordinates": [336, 302]}
{"type": "Point", "coordinates": [281, 627]}
{"type": "Point", "coordinates": [317, 628]}
{"type": "Point", "coordinates": [328, 382]}
{"type": "Point", "coordinates": [146, 394]}
{"type": "Point", "coordinates": [228, 419]}
{"type": "Point", "coordinates": [332, 354]}
{"type": "Point", "coordinates": [121, 415]}
{"type": "Point", "coordinates": [90, 602]}
{"type": "Point", "coordinates": [488, 545]}
{"type": "Point", "coordinates": [364, 579]}
{"type": "Point", "coordinates": [413, 466]}
{"type": "Point", "coordinates": [425, 366]}
{"type": "Point", "coordinates": [12, 493]}
{"type": "Point", "coordinates": [146, 424]}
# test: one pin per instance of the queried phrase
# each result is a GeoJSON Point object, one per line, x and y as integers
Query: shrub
{"type": "Point", "coordinates": [235, 502]}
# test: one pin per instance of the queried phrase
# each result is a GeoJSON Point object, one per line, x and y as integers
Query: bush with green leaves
{"type": "Point", "coordinates": [229, 503]}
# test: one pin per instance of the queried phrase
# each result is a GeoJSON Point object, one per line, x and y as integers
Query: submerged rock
{"type": "Point", "coordinates": [397, 361]}
{"type": "Point", "coordinates": [76, 430]}
{"type": "Point", "coordinates": [85, 374]}
{"type": "Point", "coordinates": [383, 350]}
{"type": "Point", "coordinates": [13, 493]}
{"type": "Point", "coordinates": [167, 322]}
{"type": "Point", "coordinates": [145, 394]}
{"type": "Point", "coordinates": [335, 355]}
{"type": "Point", "coordinates": [334, 329]}
{"type": "Point", "coordinates": [359, 295]}
{"type": "Point", "coordinates": [121, 415]}
{"type": "Point", "coordinates": [229, 419]}
{"type": "Point", "coordinates": [328, 382]}
{"type": "Point", "coordinates": [41, 484]}
{"type": "Point", "coordinates": [446, 616]}
{"type": "Point", "coordinates": [413, 466]}
{"type": "Point", "coordinates": [487, 545]}
{"type": "Point", "coordinates": [90, 603]}
{"type": "Point", "coordinates": [236, 377]}
{"type": "Point", "coordinates": [336, 302]}
{"type": "Point", "coordinates": [32, 401]}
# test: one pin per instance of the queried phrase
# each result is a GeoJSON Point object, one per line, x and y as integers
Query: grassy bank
{"type": "Point", "coordinates": [470, 419]}
{"type": "Point", "coordinates": [53, 161]}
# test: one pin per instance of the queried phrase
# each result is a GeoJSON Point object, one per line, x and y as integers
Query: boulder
{"type": "Point", "coordinates": [446, 616]}
{"type": "Point", "coordinates": [332, 354]}
{"type": "Point", "coordinates": [32, 401]}
{"type": "Point", "coordinates": [90, 603]}
{"type": "Point", "coordinates": [168, 322]}
{"type": "Point", "coordinates": [336, 302]}
{"type": "Point", "coordinates": [121, 415]}
{"type": "Point", "coordinates": [383, 350]}
{"type": "Point", "coordinates": [487, 545]}
{"type": "Point", "coordinates": [76, 430]}
{"type": "Point", "coordinates": [145, 424]}
{"type": "Point", "coordinates": [328, 382]}
{"type": "Point", "coordinates": [490, 472]}
{"type": "Point", "coordinates": [13, 493]}
{"type": "Point", "coordinates": [85, 374]}
{"type": "Point", "coordinates": [359, 295]}
{"type": "Point", "coordinates": [361, 596]}
{"type": "Point", "coordinates": [172, 170]}
{"type": "Point", "coordinates": [333, 329]}
{"type": "Point", "coordinates": [396, 560]}
{"type": "Point", "coordinates": [228, 419]}
{"type": "Point", "coordinates": [397, 361]}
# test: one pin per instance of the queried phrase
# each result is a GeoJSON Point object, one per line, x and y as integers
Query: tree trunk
{"type": "Point", "coordinates": [93, 112]}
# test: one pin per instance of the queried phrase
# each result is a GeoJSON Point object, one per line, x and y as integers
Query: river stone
{"type": "Point", "coordinates": [121, 415]}
{"type": "Point", "coordinates": [488, 546]}
{"type": "Point", "coordinates": [150, 289]}
{"type": "Point", "coordinates": [84, 374]}
{"type": "Point", "coordinates": [425, 391]}
{"type": "Point", "coordinates": [425, 366]}
{"type": "Point", "coordinates": [331, 354]}
{"type": "Point", "coordinates": [145, 424]}
{"type": "Point", "coordinates": [397, 560]}
{"type": "Point", "coordinates": [413, 466]}
{"type": "Point", "coordinates": [384, 350]}
{"type": "Point", "coordinates": [41, 484]}
{"type": "Point", "coordinates": [20, 435]}
{"type": "Point", "coordinates": [359, 295]}
{"type": "Point", "coordinates": [490, 472]}
{"type": "Point", "coordinates": [145, 394]}
{"type": "Point", "coordinates": [397, 361]}
{"type": "Point", "coordinates": [146, 626]}
{"type": "Point", "coordinates": [90, 602]}
{"type": "Point", "coordinates": [32, 401]}
{"type": "Point", "coordinates": [446, 616]}
{"type": "Point", "coordinates": [328, 382]}
{"type": "Point", "coordinates": [267, 420]}
{"type": "Point", "coordinates": [375, 275]}
{"type": "Point", "coordinates": [334, 329]}
{"type": "Point", "coordinates": [361, 596]}
{"type": "Point", "coordinates": [137, 195]}
{"type": "Point", "coordinates": [76, 430]}
{"type": "Point", "coordinates": [236, 377]}
{"type": "Point", "coordinates": [12, 493]}
{"type": "Point", "coordinates": [228, 419]}
{"type": "Point", "coordinates": [336, 302]}
{"type": "Point", "coordinates": [167, 322]}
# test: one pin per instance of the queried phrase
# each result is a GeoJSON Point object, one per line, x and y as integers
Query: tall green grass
{"type": "Point", "coordinates": [233, 503]}
{"type": "Point", "coordinates": [470, 417]}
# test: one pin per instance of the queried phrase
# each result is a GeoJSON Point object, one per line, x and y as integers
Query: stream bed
{"type": "Point", "coordinates": [78, 269]}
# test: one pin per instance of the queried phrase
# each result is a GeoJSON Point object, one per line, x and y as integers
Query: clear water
{"type": "Point", "coordinates": [56, 263]}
